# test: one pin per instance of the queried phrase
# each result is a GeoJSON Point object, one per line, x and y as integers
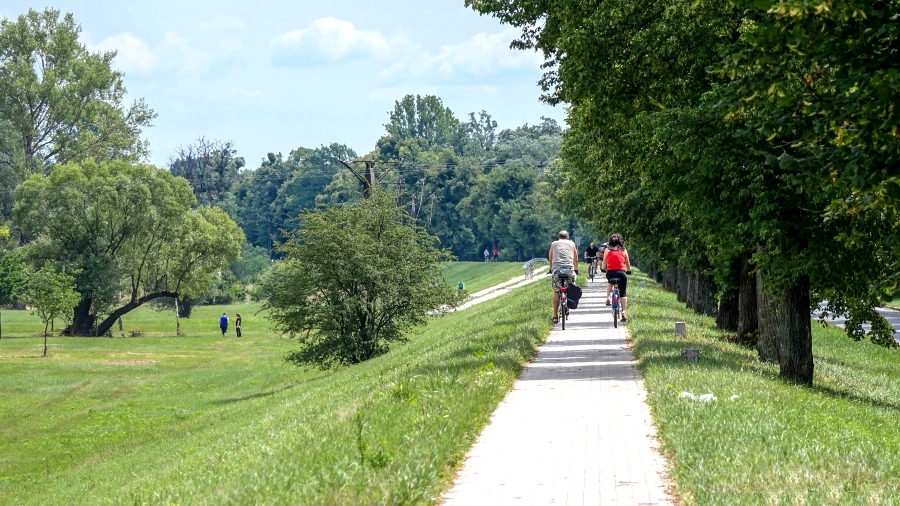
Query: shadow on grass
{"type": "Point", "coordinates": [262, 395]}
{"type": "Point", "coordinates": [833, 392]}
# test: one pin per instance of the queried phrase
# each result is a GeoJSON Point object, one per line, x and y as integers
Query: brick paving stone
{"type": "Point", "coordinates": [575, 429]}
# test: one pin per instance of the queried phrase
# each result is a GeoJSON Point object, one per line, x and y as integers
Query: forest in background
{"type": "Point", "coordinates": [468, 183]}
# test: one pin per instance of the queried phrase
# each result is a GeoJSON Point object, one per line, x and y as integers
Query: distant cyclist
{"type": "Point", "coordinates": [616, 264]}
{"type": "Point", "coordinates": [563, 259]}
{"type": "Point", "coordinates": [590, 255]}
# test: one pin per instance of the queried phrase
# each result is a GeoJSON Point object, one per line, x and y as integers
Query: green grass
{"type": "Point", "coordinates": [205, 420]}
{"type": "Point", "coordinates": [480, 275]}
{"type": "Point", "coordinates": [837, 442]}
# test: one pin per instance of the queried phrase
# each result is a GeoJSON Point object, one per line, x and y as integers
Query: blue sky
{"type": "Point", "coordinates": [273, 76]}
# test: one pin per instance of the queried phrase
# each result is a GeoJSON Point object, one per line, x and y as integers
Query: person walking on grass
{"type": "Point", "coordinates": [223, 323]}
{"type": "Point", "coordinates": [616, 265]}
{"type": "Point", "coordinates": [487, 255]}
{"type": "Point", "coordinates": [460, 287]}
{"type": "Point", "coordinates": [237, 324]}
{"type": "Point", "coordinates": [496, 255]}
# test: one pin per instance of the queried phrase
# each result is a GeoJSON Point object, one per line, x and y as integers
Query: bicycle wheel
{"type": "Point", "coordinates": [616, 317]}
{"type": "Point", "coordinates": [562, 312]}
{"type": "Point", "coordinates": [591, 272]}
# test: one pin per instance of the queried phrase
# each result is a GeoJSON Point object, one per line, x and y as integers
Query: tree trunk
{"type": "Point", "coordinates": [110, 320]}
{"type": "Point", "coordinates": [681, 282]}
{"type": "Point", "coordinates": [707, 296]}
{"type": "Point", "coordinates": [186, 307]}
{"type": "Point", "coordinates": [765, 338]}
{"type": "Point", "coordinates": [83, 321]}
{"type": "Point", "coordinates": [748, 314]}
{"type": "Point", "coordinates": [793, 335]}
{"type": "Point", "coordinates": [670, 280]}
{"type": "Point", "coordinates": [45, 339]}
{"type": "Point", "coordinates": [727, 319]}
{"type": "Point", "coordinates": [690, 295]}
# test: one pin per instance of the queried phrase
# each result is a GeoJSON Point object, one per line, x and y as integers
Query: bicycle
{"type": "Point", "coordinates": [615, 301]}
{"type": "Point", "coordinates": [529, 272]}
{"type": "Point", "coordinates": [563, 310]}
{"type": "Point", "coordinates": [592, 267]}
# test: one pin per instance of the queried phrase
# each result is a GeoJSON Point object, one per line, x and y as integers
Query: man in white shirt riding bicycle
{"type": "Point", "coordinates": [563, 258]}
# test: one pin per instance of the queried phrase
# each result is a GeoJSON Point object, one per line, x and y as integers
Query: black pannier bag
{"type": "Point", "coordinates": [573, 296]}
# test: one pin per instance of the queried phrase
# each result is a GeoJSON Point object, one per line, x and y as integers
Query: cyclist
{"type": "Point", "coordinates": [590, 255]}
{"type": "Point", "coordinates": [563, 259]}
{"type": "Point", "coordinates": [616, 265]}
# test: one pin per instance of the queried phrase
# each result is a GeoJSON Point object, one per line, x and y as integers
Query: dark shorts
{"type": "Point", "coordinates": [623, 281]}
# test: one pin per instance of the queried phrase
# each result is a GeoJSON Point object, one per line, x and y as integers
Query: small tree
{"type": "Point", "coordinates": [355, 280]}
{"type": "Point", "coordinates": [52, 295]}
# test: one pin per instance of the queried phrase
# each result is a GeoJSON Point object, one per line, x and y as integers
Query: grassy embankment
{"type": "Point", "coordinates": [480, 275]}
{"type": "Point", "coordinates": [205, 420]}
{"type": "Point", "coordinates": [837, 442]}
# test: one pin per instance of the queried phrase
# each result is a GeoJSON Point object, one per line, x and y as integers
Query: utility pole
{"type": "Point", "coordinates": [369, 179]}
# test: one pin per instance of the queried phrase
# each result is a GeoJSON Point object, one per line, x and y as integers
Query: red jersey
{"type": "Point", "coordinates": [615, 260]}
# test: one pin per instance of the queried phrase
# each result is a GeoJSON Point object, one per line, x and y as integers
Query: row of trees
{"type": "Point", "coordinates": [467, 183]}
{"type": "Point", "coordinates": [750, 143]}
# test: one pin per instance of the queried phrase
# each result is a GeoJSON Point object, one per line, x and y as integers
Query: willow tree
{"type": "Point", "coordinates": [130, 233]}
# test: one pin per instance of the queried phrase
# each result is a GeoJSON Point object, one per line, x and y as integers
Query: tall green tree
{"type": "Point", "coordinates": [60, 102]}
{"type": "Point", "coordinates": [349, 304]}
{"type": "Point", "coordinates": [129, 231]}
{"type": "Point", "coordinates": [211, 167]}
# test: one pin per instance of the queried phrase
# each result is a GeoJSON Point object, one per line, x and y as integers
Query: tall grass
{"type": "Point", "coordinates": [776, 443]}
{"type": "Point", "coordinates": [206, 420]}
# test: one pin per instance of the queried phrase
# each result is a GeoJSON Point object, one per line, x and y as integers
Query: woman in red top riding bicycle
{"type": "Point", "coordinates": [616, 264]}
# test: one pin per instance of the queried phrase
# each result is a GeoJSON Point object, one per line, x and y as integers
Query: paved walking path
{"type": "Point", "coordinates": [574, 430]}
{"type": "Point", "coordinates": [498, 290]}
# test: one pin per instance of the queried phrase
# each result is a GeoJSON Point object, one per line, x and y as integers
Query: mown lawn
{"type": "Point", "coordinates": [204, 420]}
{"type": "Point", "coordinates": [480, 275]}
{"type": "Point", "coordinates": [776, 443]}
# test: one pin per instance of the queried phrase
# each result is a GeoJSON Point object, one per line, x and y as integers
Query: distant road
{"type": "Point", "coordinates": [892, 316]}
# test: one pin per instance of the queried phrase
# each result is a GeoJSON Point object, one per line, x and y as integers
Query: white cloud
{"type": "Point", "coordinates": [335, 38]}
{"type": "Point", "coordinates": [175, 51]}
{"type": "Point", "coordinates": [482, 54]}
{"type": "Point", "coordinates": [222, 23]}
{"type": "Point", "coordinates": [133, 53]}
{"type": "Point", "coordinates": [178, 49]}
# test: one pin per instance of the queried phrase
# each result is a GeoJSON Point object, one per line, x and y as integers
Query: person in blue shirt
{"type": "Point", "coordinates": [223, 323]}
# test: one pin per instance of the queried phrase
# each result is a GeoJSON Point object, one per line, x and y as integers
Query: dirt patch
{"type": "Point", "coordinates": [131, 362]}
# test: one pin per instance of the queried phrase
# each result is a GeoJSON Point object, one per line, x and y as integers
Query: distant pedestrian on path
{"type": "Point", "coordinates": [616, 265]}
{"type": "Point", "coordinates": [237, 324]}
{"type": "Point", "coordinates": [460, 287]}
{"type": "Point", "coordinates": [223, 324]}
{"type": "Point", "coordinates": [487, 255]}
{"type": "Point", "coordinates": [496, 255]}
